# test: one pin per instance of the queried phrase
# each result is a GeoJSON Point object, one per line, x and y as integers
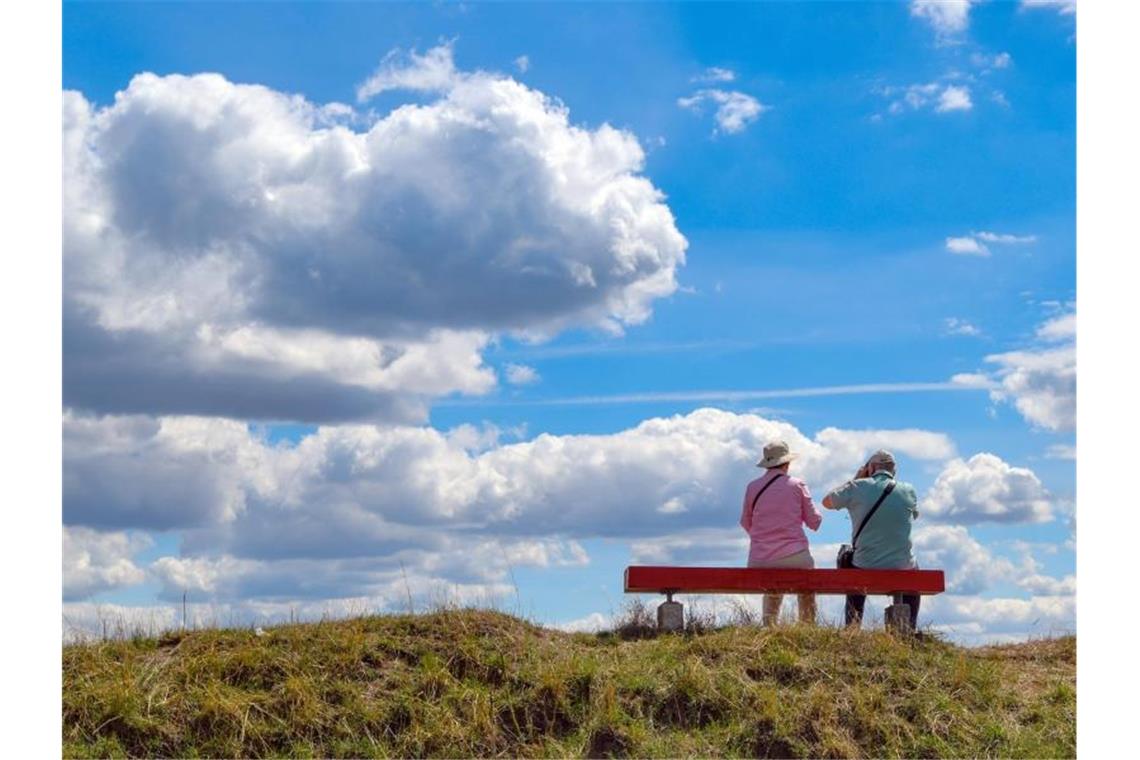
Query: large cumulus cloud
{"type": "Point", "coordinates": [985, 488]}
{"type": "Point", "coordinates": [158, 474]}
{"type": "Point", "coordinates": [234, 250]}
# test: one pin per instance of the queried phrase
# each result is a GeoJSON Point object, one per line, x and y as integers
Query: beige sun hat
{"type": "Point", "coordinates": [776, 454]}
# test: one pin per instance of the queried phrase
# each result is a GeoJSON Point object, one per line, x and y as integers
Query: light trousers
{"type": "Point", "coordinates": [772, 602]}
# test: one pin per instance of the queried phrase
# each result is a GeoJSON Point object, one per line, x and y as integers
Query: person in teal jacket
{"type": "Point", "coordinates": [885, 542]}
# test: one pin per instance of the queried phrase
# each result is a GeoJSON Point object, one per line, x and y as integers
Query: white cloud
{"type": "Point", "coordinates": [702, 547]}
{"type": "Point", "coordinates": [381, 513]}
{"type": "Point", "coordinates": [967, 246]}
{"type": "Point", "coordinates": [1064, 7]}
{"type": "Point", "coordinates": [1061, 451]}
{"type": "Point", "coordinates": [992, 617]}
{"type": "Point", "coordinates": [715, 74]}
{"type": "Point", "coordinates": [238, 251]}
{"type": "Point", "coordinates": [592, 623]}
{"type": "Point", "coordinates": [1045, 585]}
{"type": "Point", "coordinates": [985, 488]}
{"type": "Point", "coordinates": [482, 563]}
{"type": "Point", "coordinates": [955, 326]}
{"type": "Point", "coordinates": [1004, 238]}
{"type": "Point", "coordinates": [734, 112]}
{"type": "Point", "coordinates": [974, 244]}
{"type": "Point", "coordinates": [946, 17]}
{"type": "Point", "coordinates": [986, 62]}
{"type": "Point", "coordinates": [159, 474]}
{"type": "Point", "coordinates": [443, 361]}
{"type": "Point", "coordinates": [434, 71]}
{"type": "Point", "coordinates": [856, 445]}
{"type": "Point", "coordinates": [973, 380]}
{"type": "Point", "coordinates": [1059, 328]}
{"type": "Point", "coordinates": [1034, 581]}
{"type": "Point", "coordinates": [360, 491]}
{"type": "Point", "coordinates": [522, 63]}
{"type": "Point", "coordinates": [1042, 384]}
{"type": "Point", "coordinates": [954, 99]}
{"type": "Point", "coordinates": [1042, 381]}
{"type": "Point", "coordinates": [919, 95]}
{"type": "Point", "coordinates": [94, 561]}
{"type": "Point", "coordinates": [970, 567]}
{"type": "Point", "coordinates": [939, 97]}
{"type": "Point", "coordinates": [483, 437]}
{"type": "Point", "coordinates": [521, 374]}
{"type": "Point", "coordinates": [199, 575]}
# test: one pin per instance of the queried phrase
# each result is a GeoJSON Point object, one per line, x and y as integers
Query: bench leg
{"type": "Point", "coordinates": [670, 615]}
{"type": "Point", "coordinates": [898, 618]}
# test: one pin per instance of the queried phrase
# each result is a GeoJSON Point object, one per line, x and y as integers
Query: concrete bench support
{"type": "Point", "coordinates": [897, 618]}
{"type": "Point", "coordinates": [670, 614]}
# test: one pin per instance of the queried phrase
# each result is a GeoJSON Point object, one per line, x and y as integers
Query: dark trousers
{"type": "Point", "coordinates": [853, 611]}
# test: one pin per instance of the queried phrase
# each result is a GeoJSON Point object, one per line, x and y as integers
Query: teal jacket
{"type": "Point", "coordinates": [885, 541]}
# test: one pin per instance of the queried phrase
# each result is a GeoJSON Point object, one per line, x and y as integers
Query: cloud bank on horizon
{"type": "Point", "coordinates": [359, 511]}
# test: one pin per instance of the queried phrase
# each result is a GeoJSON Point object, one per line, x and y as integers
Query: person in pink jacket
{"type": "Point", "coordinates": [776, 507]}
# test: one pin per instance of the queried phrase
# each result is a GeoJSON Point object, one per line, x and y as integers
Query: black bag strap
{"type": "Point", "coordinates": [765, 488]}
{"type": "Point", "coordinates": [886, 492]}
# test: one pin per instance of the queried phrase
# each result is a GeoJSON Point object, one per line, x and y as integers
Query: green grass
{"type": "Point", "coordinates": [477, 683]}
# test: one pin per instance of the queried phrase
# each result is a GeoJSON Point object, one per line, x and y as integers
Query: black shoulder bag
{"type": "Point", "coordinates": [846, 558]}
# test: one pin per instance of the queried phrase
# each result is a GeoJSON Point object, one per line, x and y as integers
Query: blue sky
{"type": "Point", "coordinates": [895, 209]}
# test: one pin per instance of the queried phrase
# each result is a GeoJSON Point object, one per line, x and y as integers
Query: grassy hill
{"type": "Point", "coordinates": [477, 683]}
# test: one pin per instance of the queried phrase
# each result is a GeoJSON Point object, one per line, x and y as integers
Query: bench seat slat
{"type": "Point", "coordinates": [740, 580]}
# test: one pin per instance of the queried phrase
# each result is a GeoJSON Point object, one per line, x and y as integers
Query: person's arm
{"type": "Point", "coordinates": [811, 516]}
{"type": "Point", "coordinates": [746, 512]}
{"type": "Point", "coordinates": [838, 497]}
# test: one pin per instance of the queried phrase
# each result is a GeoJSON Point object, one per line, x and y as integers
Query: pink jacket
{"type": "Point", "coordinates": [776, 525]}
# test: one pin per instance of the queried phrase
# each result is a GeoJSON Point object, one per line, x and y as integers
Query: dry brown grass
{"type": "Point", "coordinates": [466, 683]}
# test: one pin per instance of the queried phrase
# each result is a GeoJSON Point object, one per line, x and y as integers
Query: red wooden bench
{"type": "Point", "coordinates": [666, 580]}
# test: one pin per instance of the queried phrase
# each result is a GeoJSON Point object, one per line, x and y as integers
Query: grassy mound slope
{"type": "Point", "coordinates": [477, 683]}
